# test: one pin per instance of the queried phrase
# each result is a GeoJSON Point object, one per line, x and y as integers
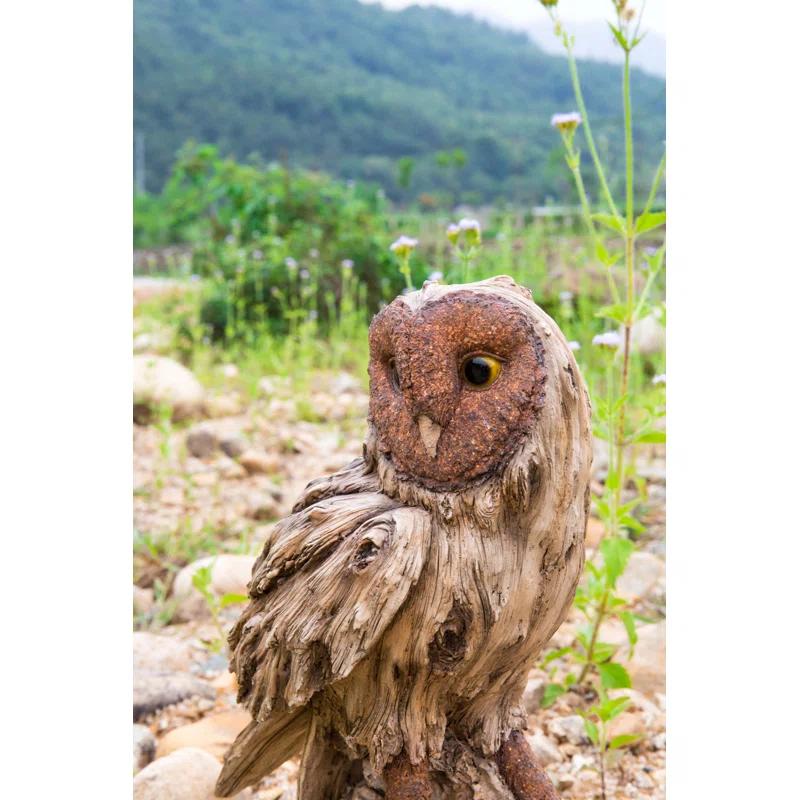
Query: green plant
{"type": "Point", "coordinates": [624, 417]}
{"type": "Point", "coordinates": [202, 581]}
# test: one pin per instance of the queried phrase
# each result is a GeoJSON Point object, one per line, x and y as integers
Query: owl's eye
{"type": "Point", "coordinates": [394, 375]}
{"type": "Point", "coordinates": [480, 370]}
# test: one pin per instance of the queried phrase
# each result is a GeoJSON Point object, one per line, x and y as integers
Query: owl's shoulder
{"type": "Point", "coordinates": [327, 585]}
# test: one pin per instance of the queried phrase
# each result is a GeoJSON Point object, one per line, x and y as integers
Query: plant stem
{"type": "Point", "coordinates": [587, 130]}
{"type": "Point", "coordinates": [601, 612]}
{"type": "Point", "coordinates": [573, 162]}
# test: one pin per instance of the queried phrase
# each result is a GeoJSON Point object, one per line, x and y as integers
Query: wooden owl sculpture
{"type": "Point", "coordinates": [394, 616]}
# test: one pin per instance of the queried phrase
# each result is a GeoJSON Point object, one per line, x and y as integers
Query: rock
{"type": "Point", "coordinates": [214, 734]}
{"type": "Point", "coordinates": [188, 774]}
{"type": "Point", "coordinates": [533, 694]}
{"type": "Point", "coordinates": [142, 600]}
{"type": "Point", "coordinates": [144, 747]}
{"type": "Point", "coordinates": [570, 728]}
{"type": "Point", "coordinates": [647, 667]}
{"type": "Point", "coordinates": [345, 383]}
{"type": "Point", "coordinates": [259, 463]}
{"type": "Point", "coordinates": [594, 532]}
{"type": "Point", "coordinates": [201, 442]}
{"type": "Point", "coordinates": [155, 690]}
{"type": "Point", "coordinates": [155, 653]}
{"type": "Point", "coordinates": [565, 782]}
{"type": "Point", "coordinates": [233, 446]}
{"type": "Point", "coordinates": [545, 749]}
{"type": "Point", "coordinates": [644, 575]}
{"type": "Point", "coordinates": [659, 741]}
{"type": "Point", "coordinates": [230, 574]}
{"type": "Point", "coordinates": [628, 723]}
{"type": "Point", "coordinates": [224, 405]}
{"type": "Point", "coordinates": [263, 506]}
{"type": "Point", "coordinates": [159, 381]}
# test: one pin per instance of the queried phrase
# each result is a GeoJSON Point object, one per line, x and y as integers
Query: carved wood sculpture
{"type": "Point", "coordinates": [395, 614]}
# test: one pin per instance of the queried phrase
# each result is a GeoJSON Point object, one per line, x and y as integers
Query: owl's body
{"type": "Point", "coordinates": [396, 613]}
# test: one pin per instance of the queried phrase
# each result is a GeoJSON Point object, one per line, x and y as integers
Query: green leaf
{"type": "Point", "coordinates": [604, 257]}
{"type": "Point", "coordinates": [651, 437]}
{"type": "Point", "coordinates": [610, 221]}
{"type": "Point", "coordinates": [614, 676]}
{"type": "Point", "coordinates": [617, 312]}
{"type": "Point", "coordinates": [618, 35]}
{"type": "Point", "coordinates": [653, 219]}
{"type": "Point", "coordinates": [231, 599]}
{"type": "Point", "coordinates": [630, 627]}
{"type": "Point", "coordinates": [591, 730]}
{"type": "Point", "coordinates": [554, 654]}
{"type": "Point", "coordinates": [616, 551]}
{"type": "Point", "coordinates": [623, 739]}
{"type": "Point", "coordinates": [551, 693]}
{"type": "Point", "coordinates": [603, 652]}
{"type": "Point", "coordinates": [612, 707]}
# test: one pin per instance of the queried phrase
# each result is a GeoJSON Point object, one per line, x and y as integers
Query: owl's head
{"type": "Point", "coordinates": [461, 379]}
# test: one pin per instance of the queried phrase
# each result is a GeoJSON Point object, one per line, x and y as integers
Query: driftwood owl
{"type": "Point", "coordinates": [395, 614]}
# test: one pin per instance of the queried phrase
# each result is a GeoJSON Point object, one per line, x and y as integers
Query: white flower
{"type": "Point", "coordinates": [453, 232]}
{"type": "Point", "coordinates": [258, 255]}
{"type": "Point", "coordinates": [472, 230]}
{"type": "Point", "coordinates": [566, 122]}
{"type": "Point", "coordinates": [312, 315]}
{"type": "Point", "coordinates": [290, 263]}
{"type": "Point", "coordinates": [610, 339]}
{"type": "Point", "coordinates": [436, 276]}
{"type": "Point", "coordinates": [347, 263]}
{"type": "Point", "coordinates": [313, 252]}
{"type": "Point", "coordinates": [305, 274]}
{"type": "Point", "coordinates": [230, 239]}
{"type": "Point", "coordinates": [574, 346]}
{"type": "Point", "coordinates": [658, 379]}
{"type": "Point", "coordinates": [565, 296]}
{"type": "Point", "coordinates": [403, 246]}
{"type": "Point", "coordinates": [230, 370]}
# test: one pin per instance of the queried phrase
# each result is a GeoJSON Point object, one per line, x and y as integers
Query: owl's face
{"type": "Point", "coordinates": [455, 384]}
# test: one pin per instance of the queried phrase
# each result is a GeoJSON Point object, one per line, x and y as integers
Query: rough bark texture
{"type": "Point", "coordinates": [403, 616]}
{"type": "Point", "coordinates": [523, 776]}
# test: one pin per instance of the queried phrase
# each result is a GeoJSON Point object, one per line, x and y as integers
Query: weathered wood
{"type": "Point", "coordinates": [404, 601]}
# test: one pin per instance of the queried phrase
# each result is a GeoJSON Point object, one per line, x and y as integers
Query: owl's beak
{"type": "Point", "coordinates": [429, 432]}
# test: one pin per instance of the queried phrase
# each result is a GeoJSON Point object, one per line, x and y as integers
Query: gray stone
{"type": "Point", "coordinates": [230, 574]}
{"type": "Point", "coordinates": [545, 749]}
{"type": "Point", "coordinates": [153, 652]}
{"type": "Point", "coordinates": [155, 690]}
{"type": "Point", "coordinates": [233, 446]}
{"type": "Point", "coordinates": [144, 747]}
{"type": "Point", "coordinates": [533, 694]}
{"type": "Point", "coordinates": [201, 442]}
{"type": "Point", "coordinates": [643, 576]}
{"type": "Point", "coordinates": [647, 667]}
{"type": "Point", "coordinates": [569, 728]}
{"type": "Point", "coordinates": [187, 774]}
{"type": "Point", "coordinates": [161, 382]}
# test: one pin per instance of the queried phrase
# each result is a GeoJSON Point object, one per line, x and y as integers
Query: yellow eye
{"type": "Point", "coordinates": [480, 370]}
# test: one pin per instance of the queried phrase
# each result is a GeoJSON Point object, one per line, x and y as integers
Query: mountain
{"type": "Point", "coordinates": [353, 88]}
{"type": "Point", "coordinates": [593, 40]}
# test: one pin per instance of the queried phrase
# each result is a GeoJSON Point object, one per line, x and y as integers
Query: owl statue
{"type": "Point", "coordinates": [394, 616]}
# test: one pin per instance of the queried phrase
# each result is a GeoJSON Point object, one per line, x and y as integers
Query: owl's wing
{"type": "Point", "coordinates": [326, 587]}
{"type": "Point", "coordinates": [356, 477]}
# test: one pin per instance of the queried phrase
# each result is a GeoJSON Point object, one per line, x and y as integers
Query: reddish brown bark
{"type": "Point", "coordinates": [518, 768]}
{"type": "Point", "coordinates": [407, 781]}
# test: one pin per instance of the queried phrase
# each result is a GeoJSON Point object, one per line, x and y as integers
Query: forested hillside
{"type": "Point", "coordinates": [366, 93]}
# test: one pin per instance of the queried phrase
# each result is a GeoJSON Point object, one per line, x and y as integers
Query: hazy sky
{"type": "Point", "coordinates": [520, 13]}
